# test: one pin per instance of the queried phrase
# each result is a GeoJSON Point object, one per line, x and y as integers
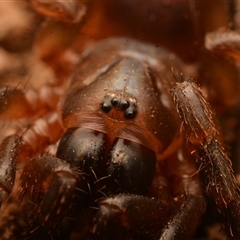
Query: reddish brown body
{"type": "Point", "coordinates": [128, 72]}
{"type": "Point", "coordinates": [122, 168]}
{"type": "Point", "coordinates": [128, 143]}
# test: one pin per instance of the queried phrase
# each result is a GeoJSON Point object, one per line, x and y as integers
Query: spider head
{"type": "Point", "coordinates": [119, 105]}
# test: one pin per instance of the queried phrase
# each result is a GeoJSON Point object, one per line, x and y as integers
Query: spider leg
{"type": "Point", "coordinates": [227, 44]}
{"type": "Point", "coordinates": [187, 192]}
{"type": "Point", "coordinates": [51, 184]}
{"type": "Point", "coordinates": [60, 187]}
{"type": "Point", "coordinates": [204, 139]}
{"type": "Point", "coordinates": [220, 70]}
{"type": "Point", "coordinates": [132, 215]}
{"type": "Point", "coordinates": [8, 154]}
{"type": "Point", "coordinates": [16, 103]}
{"type": "Point", "coordinates": [17, 148]}
{"type": "Point", "coordinates": [224, 43]}
{"type": "Point", "coordinates": [39, 135]}
{"type": "Point", "coordinates": [164, 215]}
{"type": "Point", "coordinates": [70, 12]}
{"type": "Point", "coordinates": [48, 185]}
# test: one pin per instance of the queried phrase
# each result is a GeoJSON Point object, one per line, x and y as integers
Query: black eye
{"type": "Point", "coordinates": [114, 102]}
{"type": "Point", "coordinates": [130, 114]}
{"type": "Point", "coordinates": [105, 107]}
{"type": "Point", "coordinates": [124, 105]}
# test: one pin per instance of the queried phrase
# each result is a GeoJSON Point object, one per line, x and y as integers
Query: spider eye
{"type": "Point", "coordinates": [130, 114]}
{"type": "Point", "coordinates": [114, 102]}
{"type": "Point", "coordinates": [105, 107]}
{"type": "Point", "coordinates": [124, 105]}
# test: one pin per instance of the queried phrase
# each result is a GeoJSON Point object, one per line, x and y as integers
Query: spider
{"type": "Point", "coordinates": [125, 163]}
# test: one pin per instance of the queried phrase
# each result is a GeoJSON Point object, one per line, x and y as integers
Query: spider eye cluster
{"type": "Point", "coordinates": [121, 102]}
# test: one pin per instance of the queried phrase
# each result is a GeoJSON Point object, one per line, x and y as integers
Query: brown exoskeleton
{"type": "Point", "coordinates": [122, 167]}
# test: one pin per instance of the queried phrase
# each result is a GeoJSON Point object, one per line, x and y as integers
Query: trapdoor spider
{"type": "Point", "coordinates": [125, 165]}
